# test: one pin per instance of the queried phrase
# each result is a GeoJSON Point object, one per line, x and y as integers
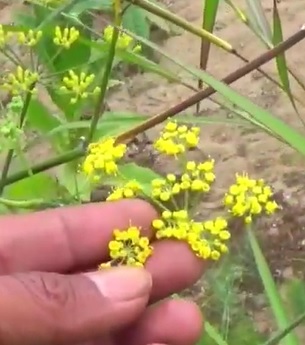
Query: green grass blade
{"type": "Point", "coordinates": [270, 288]}
{"type": "Point", "coordinates": [208, 22]}
{"type": "Point", "coordinates": [274, 125]}
{"type": "Point", "coordinates": [213, 334]}
{"type": "Point", "coordinates": [281, 59]}
{"type": "Point", "coordinates": [258, 19]}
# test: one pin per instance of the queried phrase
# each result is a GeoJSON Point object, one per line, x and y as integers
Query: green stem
{"type": "Point", "coordinates": [48, 164]}
{"type": "Point", "coordinates": [107, 72]}
{"type": "Point", "coordinates": [26, 204]}
{"type": "Point", "coordinates": [270, 288]}
{"type": "Point", "coordinates": [10, 154]}
{"type": "Point", "coordinates": [281, 334]}
{"type": "Point", "coordinates": [182, 23]}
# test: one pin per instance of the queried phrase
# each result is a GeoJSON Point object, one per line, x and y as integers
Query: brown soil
{"type": "Point", "coordinates": [234, 148]}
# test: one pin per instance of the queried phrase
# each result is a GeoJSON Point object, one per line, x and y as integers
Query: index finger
{"type": "Point", "coordinates": [68, 238]}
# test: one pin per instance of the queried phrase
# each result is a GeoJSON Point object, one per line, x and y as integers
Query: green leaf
{"type": "Point", "coordinates": [143, 176]}
{"type": "Point", "coordinates": [281, 59]}
{"type": "Point", "coordinates": [34, 187]}
{"type": "Point", "coordinates": [62, 101]}
{"type": "Point", "coordinates": [111, 123]}
{"type": "Point", "coordinates": [76, 184]}
{"type": "Point", "coordinates": [258, 19]}
{"type": "Point", "coordinates": [40, 118]}
{"type": "Point", "coordinates": [85, 5]}
{"type": "Point", "coordinates": [209, 18]}
{"type": "Point", "coordinates": [294, 295]}
{"type": "Point", "coordinates": [134, 19]}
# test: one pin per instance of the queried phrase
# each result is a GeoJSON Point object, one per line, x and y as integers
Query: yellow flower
{"type": "Point", "coordinates": [206, 239]}
{"type": "Point", "coordinates": [65, 37]}
{"type": "Point", "coordinates": [131, 189]}
{"type": "Point", "coordinates": [78, 85]}
{"type": "Point", "coordinates": [128, 248]}
{"type": "Point", "coordinates": [124, 41]}
{"type": "Point", "coordinates": [102, 158]}
{"type": "Point", "coordinates": [29, 38]}
{"type": "Point", "coordinates": [176, 139]}
{"type": "Point", "coordinates": [248, 198]}
{"type": "Point", "coordinates": [22, 81]}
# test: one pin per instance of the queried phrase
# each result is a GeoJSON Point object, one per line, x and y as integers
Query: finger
{"type": "Point", "coordinates": [67, 238]}
{"type": "Point", "coordinates": [175, 322]}
{"type": "Point", "coordinates": [173, 267]}
{"type": "Point", "coordinates": [48, 308]}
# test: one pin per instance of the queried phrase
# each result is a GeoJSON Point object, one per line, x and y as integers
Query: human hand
{"type": "Point", "coordinates": [115, 306]}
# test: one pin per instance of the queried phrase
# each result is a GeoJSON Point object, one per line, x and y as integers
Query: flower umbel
{"type": "Point", "coordinates": [29, 38]}
{"type": "Point", "coordinates": [196, 178]}
{"type": "Point", "coordinates": [176, 139]}
{"type": "Point", "coordinates": [65, 37]}
{"type": "Point", "coordinates": [102, 158]}
{"type": "Point", "coordinates": [124, 41]}
{"type": "Point", "coordinates": [79, 85]}
{"type": "Point", "coordinates": [23, 80]}
{"type": "Point", "coordinates": [131, 189]}
{"type": "Point", "coordinates": [247, 198]}
{"type": "Point", "coordinates": [206, 239]}
{"type": "Point", "coordinates": [128, 248]}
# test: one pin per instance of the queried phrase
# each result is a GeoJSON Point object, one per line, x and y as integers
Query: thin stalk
{"type": "Point", "coordinates": [46, 165]}
{"type": "Point", "coordinates": [182, 23]}
{"type": "Point", "coordinates": [10, 153]}
{"type": "Point", "coordinates": [207, 92]}
{"type": "Point", "coordinates": [107, 72]}
{"type": "Point", "coordinates": [281, 334]}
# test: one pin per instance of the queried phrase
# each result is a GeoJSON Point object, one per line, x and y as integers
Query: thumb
{"type": "Point", "coordinates": [49, 308]}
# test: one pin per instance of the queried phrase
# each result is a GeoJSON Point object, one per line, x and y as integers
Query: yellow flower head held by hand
{"type": "Point", "coordinates": [128, 248]}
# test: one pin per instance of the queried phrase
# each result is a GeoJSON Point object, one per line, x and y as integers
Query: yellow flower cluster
{"type": "Point", "coordinates": [128, 248]}
{"type": "Point", "coordinates": [78, 86]}
{"type": "Point", "coordinates": [129, 190]}
{"type": "Point", "coordinates": [196, 178]}
{"type": "Point", "coordinates": [22, 81]}
{"type": "Point", "coordinates": [65, 37]}
{"type": "Point", "coordinates": [30, 38]}
{"type": "Point", "coordinates": [176, 139]}
{"type": "Point", "coordinates": [124, 41]}
{"type": "Point", "coordinates": [102, 158]}
{"type": "Point", "coordinates": [206, 239]}
{"type": "Point", "coordinates": [248, 198]}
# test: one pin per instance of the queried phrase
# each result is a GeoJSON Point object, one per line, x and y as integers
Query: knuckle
{"type": "Point", "coordinates": [49, 290]}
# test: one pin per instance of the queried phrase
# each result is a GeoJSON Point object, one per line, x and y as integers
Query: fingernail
{"type": "Point", "coordinates": [122, 283]}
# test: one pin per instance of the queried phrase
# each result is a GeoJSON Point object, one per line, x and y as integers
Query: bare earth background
{"type": "Point", "coordinates": [234, 149]}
